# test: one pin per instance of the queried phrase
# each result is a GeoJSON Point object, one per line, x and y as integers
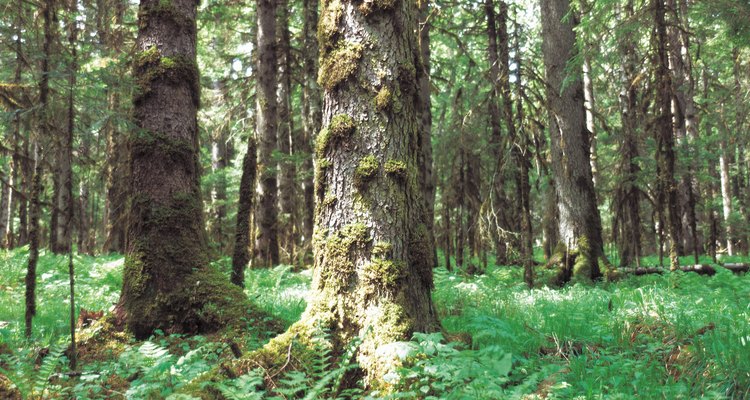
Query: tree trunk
{"type": "Point", "coordinates": [579, 225]}
{"type": "Point", "coordinates": [499, 203]}
{"type": "Point", "coordinates": [117, 168]}
{"type": "Point", "coordinates": [168, 283]}
{"type": "Point", "coordinates": [287, 194]}
{"type": "Point", "coordinates": [427, 176]}
{"type": "Point", "coordinates": [726, 193]}
{"type": "Point", "coordinates": [266, 217]}
{"type": "Point", "coordinates": [241, 255]}
{"type": "Point", "coordinates": [666, 187]}
{"type": "Point", "coordinates": [521, 151]}
{"type": "Point", "coordinates": [627, 193]}
{"type": "Point", "coordinates": [311, 109]}
{"type": "Point", "coordinates": [685, 123]}
{"type": "Point", "coordinates": [48, 15]}
{"type": "Point", "coordinates": [372, 275]}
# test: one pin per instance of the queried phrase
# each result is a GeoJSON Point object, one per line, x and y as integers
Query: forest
{"type": "Point", "coordinates": [374, 199]}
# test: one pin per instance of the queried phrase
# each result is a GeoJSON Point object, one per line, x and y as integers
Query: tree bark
{"type": "Point", "coordinates": [666, 185]}
{"type": "Point", "coordinates": [499, 202]}
{"type": "Point", "coordinates": [287, 170]}
{"type": "Point", "coordinates": [117, 168]}
{"type": "Point", "coordinates": [427, 176]}
{"type": "Point", "coordinates": [241, 255]}
{"type": "Point", "coordinates": [372, 275]}
{"type": "Point", "coordinates": [311, 109]}
{"type": "Point", "coordinates": [266, 217]}
{"type": "Point", "coordinates": [168, 283]}
{"type": "Point", "coordinates": [579, 224]}
{"type": "Point", "coordinates": [627, 195]}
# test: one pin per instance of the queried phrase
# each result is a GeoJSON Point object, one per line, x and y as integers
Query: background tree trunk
{"type": "Point", "coordinates": [579, 225]}
{"type": "Point", "coordinates": [168, 283]}
{"type": "Point", "coordinates": [311, 110]}
{"type": "Point", "coordinates": [266, 214]}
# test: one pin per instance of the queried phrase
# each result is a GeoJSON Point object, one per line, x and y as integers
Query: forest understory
{"type": "Point", "coordinates": [672, 336]}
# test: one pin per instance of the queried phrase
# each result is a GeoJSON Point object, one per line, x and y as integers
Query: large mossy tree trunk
{"type": "Point", "coordinates": [373, 257]}
{"type": "Point", "coordinates": [167, 282]}
{"type": "Point", "coordinates": [579, 222]}
{"type": "Point", "coordinates": [266, 214]}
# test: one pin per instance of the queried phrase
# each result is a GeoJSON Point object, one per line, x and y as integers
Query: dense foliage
{"type": "Point", "coordinates": [679, 335]}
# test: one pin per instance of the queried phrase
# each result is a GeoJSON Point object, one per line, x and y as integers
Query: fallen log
{"type": "Point", "coordinates": [700, 269]}
{"type": "Point", "coordinates": [737, 268]}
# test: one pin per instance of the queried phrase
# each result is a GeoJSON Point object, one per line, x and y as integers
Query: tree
{"type": "Point", "coordinates": [168, 283]}
{"type": "Point", "coordinates": [579, 221]}
{"type": "Point", "coordinates": [663, 130]}
{"type": "Point", "coordinates": [373, 271]}
{"type": "Point", "coordinates": [266, 214]}
{"type": "Point", "coordinates": [311, 111]}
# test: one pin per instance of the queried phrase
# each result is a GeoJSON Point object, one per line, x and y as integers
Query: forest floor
{"type": "Point", "coordinates": [671, 336]}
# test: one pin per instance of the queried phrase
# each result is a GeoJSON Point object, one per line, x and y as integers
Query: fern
{"type": "Point", "coordinates": [50, 365]}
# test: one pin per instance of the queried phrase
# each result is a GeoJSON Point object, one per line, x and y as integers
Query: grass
{"type": "Point", "coordinates": [671, 336]}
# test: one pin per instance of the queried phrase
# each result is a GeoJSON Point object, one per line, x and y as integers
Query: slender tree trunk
{"type": "Point", "coordinates": [48, 15]}
{"type": "Point", "coordinates": [521, 151]}
{"type": "Point", "coordinates": [427, 176]}
{"type": "Point", "coordinates": [168, 283]}
{"type": "Point", "coordinates": [117, 169]}
{"type": "Point", "coordinates": [241, 255]}
{"type": "Point", "coordinates": [287, 194]}
{"type": "Point", "coordinates": [5, 197]}
{"type": "Point", "coordinates": [579, 225]}
{"type": "Point", "coordinates": [499, 203]}
{"type": "Point", "coordinates": [266, 217]}
{"type": "Point", "coordinates": [627, 193]}
{"type": "Point", "coordinates": [311, 115]}
{"type": "Point", "coordinates": [726, 193]}
{"type": "Point", "coordinates": [590, 104]}
{"type": "Point", "coordinates": [685, 123]}
{"type": "Point", "coordinates": [667, 187]}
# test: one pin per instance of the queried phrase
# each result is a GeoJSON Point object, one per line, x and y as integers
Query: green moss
{"type": "Point", "coordinates": [329, 200]}
{"type": "Point", "coordinates": [366, 170]}
{"type": "Point", "coordinates": [383, 99]}
{"type": "Point", "coordinates": [394, 323]}
{"type": "Point", "coordinates": [336, 254]}
{"type": "Point", "coordinates": [321, 166]}
{"type": "Point", "coordinates": [382, 250]}
{"type": "Point", "coordinates": [583, 266]}
{"type": "Point", "coordinates": [338, 65]}
{"type": "Point", "coordinates": [396, 169]}
{"type": "Point", "coordinates": [369, 7]}
{"type": "Point", "coordinates": [149, 66]}
{"type": "Point", "coordinates": [421, 253]}
{"type": "Point", "coordinates": [178, 150]}
{"type": "Point", "coordinates": [384, 274]}
{"type": "Point", "coordinates": [341, 126]}
{"type": "Point", "coordinates": [330, 18]}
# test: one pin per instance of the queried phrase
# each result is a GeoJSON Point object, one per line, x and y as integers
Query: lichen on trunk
{"type": "Point", "coordinates": [373, 256]}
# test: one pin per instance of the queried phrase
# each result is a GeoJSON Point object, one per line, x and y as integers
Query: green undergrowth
{"type": "Point", "coordinates": [677, 336]}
